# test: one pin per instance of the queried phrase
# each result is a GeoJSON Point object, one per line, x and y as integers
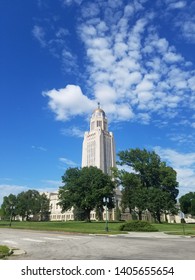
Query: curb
{"type": "Point", "coordinates": [16, 252]}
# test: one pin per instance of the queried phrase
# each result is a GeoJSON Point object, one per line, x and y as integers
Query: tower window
{"type": "Point", "coordinates": [99, 123]}
{"type": "Point", "coordinates": [92, 126]}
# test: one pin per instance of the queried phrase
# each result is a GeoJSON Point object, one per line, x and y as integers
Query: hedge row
{"type": "Point", "coordinates": [137, 226]}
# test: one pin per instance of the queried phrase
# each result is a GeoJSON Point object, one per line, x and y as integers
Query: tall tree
{"type": "Point", "coordinates": [25, 204]}
{"type": "Point", "coordinates": [134, 195]}
{"type": "Point", "coordinates": [168, 180]}
{"type": "Point", "coordinates": [9, 206]}
{"type": "Point", "coordinates": [144, 163]}
{"type": "Point", "coordinates": [130, 183]}
{"type": "Point", "coordinates": [28, 204]}
{"type": "Point", "coordinates": [140, 197]}
{"type": "Point", "coordinates": [153, 174]}
{"type": "Point", "coordinates": [187, 203]}
{"type": "Point", "coordinates": [84, 189]}
{"type": "Point", "coordinates": [44, 207]}
{"type": "Point", "coordinates": [160, 202]}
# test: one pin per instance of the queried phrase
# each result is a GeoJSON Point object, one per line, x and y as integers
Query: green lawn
{"type": "Point", "coordinates": [79, 227]}
{"type": "Point", "coordinates": [4, 251]}
{"type": "Point", "coordinates": [96, 227]}
{"type": "Point", "coordinates": [179, 229]}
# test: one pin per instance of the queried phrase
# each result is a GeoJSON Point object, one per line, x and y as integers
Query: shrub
{"type": "Point", "coordinates": [137, 226]}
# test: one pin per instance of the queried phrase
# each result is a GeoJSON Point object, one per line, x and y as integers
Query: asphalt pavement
{"type": "Point", "coordinates": [39, 245]}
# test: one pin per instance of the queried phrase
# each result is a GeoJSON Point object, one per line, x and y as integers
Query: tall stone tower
{"type": "Point", "coordinates": [98, 143]}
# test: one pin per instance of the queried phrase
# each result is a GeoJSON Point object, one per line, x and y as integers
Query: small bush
{"type": "Point", "coordinates": [137, 226]}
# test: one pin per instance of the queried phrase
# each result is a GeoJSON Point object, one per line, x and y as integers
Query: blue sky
{"type": "Point", "coordinates": [59, 58]}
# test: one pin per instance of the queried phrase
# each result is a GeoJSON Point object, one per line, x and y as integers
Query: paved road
{"type": "Point", "coordinates": [134, 246]}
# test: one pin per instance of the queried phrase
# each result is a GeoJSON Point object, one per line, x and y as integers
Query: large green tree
{"type": "Point", "coordinates": [160, 202]}
{"type": "Point", "coordinates": [32, 203]}
{"type": "Point", "coordinates": [140, 197]}
{"type": "Point", "coordinates": [44, 207]}
{"type": "Point", "coordinates": [130, 183]}
{"type": "Point", "coordinates": [144, 163]}
{"type": "Point", "coordinates": [151, 173]}
{"type": "Point", "coordinates": [187, 203]}
{"type": "Point", "coordinates": [84, 189]}
{"type": "Point", "coordinates": [168, 180]}
{"type": "Point", "coordinates": [9, 206]}
{"type": "Point", "coordinates": [26, 204]}
{"type": "Point", "coordinates": [134, 195]}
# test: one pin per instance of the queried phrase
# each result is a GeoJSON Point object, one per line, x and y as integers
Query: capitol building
{"type": "Point", "coordinates": [98, 144]}
{"type": "Point", "coordinates": [98, 150]}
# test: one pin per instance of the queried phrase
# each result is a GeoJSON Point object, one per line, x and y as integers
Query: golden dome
{"type": "Point", "coordinates": [99, 110]}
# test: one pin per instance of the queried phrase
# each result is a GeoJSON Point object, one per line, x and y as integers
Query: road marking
{"type": "Point", "coordinates": [10, 241]}
{"type": "Point", "coordinates": [33, 240]}
{"type": "Point", "coordinates": [75, 237]}
{"type": "Point", "coordinates": [69, 237]}
{"type": "Point", "coordinates": [53, 238]}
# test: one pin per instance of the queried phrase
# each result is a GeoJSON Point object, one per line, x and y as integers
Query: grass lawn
{"type": "Point", "coordinates": [179, 229]}
{"type": "Point", "coordinates": [96, 227]}
{"type": "Point", "coordinates": [71, 226]}
{"type": "Point", "coordinates": [4, 251]}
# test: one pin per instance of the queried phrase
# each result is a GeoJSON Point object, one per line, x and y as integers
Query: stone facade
{"type": "Point", "coordinates": [98, 143]}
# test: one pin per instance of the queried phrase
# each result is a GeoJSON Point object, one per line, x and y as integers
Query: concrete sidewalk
{"type": "Point", "coordinates": [133, 234]}
{"type": "Point", "coordinates": [153, 235]}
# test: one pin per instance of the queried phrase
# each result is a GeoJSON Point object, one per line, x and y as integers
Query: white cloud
{"type": "Point", "coordinates": [126, 168]}
{"type": "Point", "coordinates": [123, 68]}
{"type": "Point", "coordinates": [61, 32]}
{"type": "Point", "coordinates": [144, 97]}
{"type": "Point", "coordinates": [68, 102]}
{"type": "Point", "coordinates": [52, 183]}
{"type": "Point", "coordinates": [91, 10]}
{"type": "Point", "coordinates": [131, 70]}
{"type": "Point", "coordinates": [7, 189]}
{"type": "Point", "coordinates": [162, 45]}
{"type": "Point", "coordinates": [177, 5]}
{"type": "Point", "coordinates": [181, 19]}
{"type": "Point", "coordinates": [101, 58]}
{"type": "Point", "coordinates": [40, 148]}
{"type": "Point", "coordinates": [145, 85]}
{"type": "Point", "coordinates": [39, 34]}
{"type": "Point", "coordinates": [183, 138]}
{"type": "Point", "coordinates": [188, 29]}
{"type": "Point", "coordinates": [54, 40]}
{"type": "Point", "coordinates": [105, 93]}
{"type": "Point", "coordinates": [191, 83]}
{"type": "Point", "coordinates": [70, 2]}
{"type": "Point", "coordinates": [68, 161]}
{"type": "Point", "coordinates": [184, 165]}
{"type": "Point", "coordinates": [124, 112]}
{"type": "Point", "coordinates": [171, 57]}
{"type": "Point", "coordinates": [73, 131]}
{"type": "Point", "coordinates": [176, 158]}
{"type": "Point", "coordinates": [144, 118]}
